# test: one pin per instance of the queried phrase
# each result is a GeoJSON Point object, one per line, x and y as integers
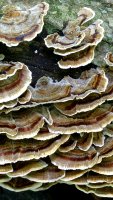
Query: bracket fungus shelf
{"type": "Point", "coordinates": [77, 45]}
{"type": "Point", "coordinates": [58, 131]}
{"type": "Point", "coordinates": [18, 24]}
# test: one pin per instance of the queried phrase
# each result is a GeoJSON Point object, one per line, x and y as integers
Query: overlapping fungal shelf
{"type": "Point", "coordinates": [77, 45]}
{"type": "Point", "coordinates": [58, 131]}
{"type": "Point", "coordinates": [18, 24]}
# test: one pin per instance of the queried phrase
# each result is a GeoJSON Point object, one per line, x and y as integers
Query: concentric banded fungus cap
{"type": "Point", "coordinates": [4, 169]}
{"type": "Point", "coordinates": [72, 34]}
{"type": "Point", "coordinates": [14, 151]}
{"type": "Point", "coordinates": [75, 159]}
{"type": "Point", "coordinates": [43, 111]}
{"type": "Point", "coordinates": [22, 124]}
{"type": "Point", "coordinates": [67, 41]}
{"type": "Point", "coordinates": [78, 59]}
{"type": "Point", "coordinates": [71, 108]}
{"type": "Point", "coordinates": [25, 123]}
{"type": "Point", "coordinates": [21, 100]}
{"type": "Point", "coordinates": [73, 27]}
{"type": "Point", "coordinates": [105, 167]}
{"type": "Point", "coordinates": [77, 45]}
{"type": "Point", "coordinates": [44, 186]}
{"type": "Point", "coordinates": [109, 59]}
{"type": "Point", "coordinates": [20, 184]}
{"type": "Point", "coordinates": [85, 14]}
{"type": "Point", "coordinates": [99, 139]}
{"type": "Point", "coordinates": [85, 142]}
{"type": "Point", "coordinates": [69, 145]}
{"type": "Point", "coordinates": [14, 81]}
{"type": "Point", "coordinates": [25, 97]}
{"type": "Point", "coordinates": [21, 169]}
{"type": "Point", "coordinates": [8, 105]}
{"type": "Point", "coordinates": [108, 130]}
{"type": "Point", "coordinates": [107, 149]}
{"type": "Point", "coordinates": [99, 185]}
{"type": "Point", "coordinates": [94, 33]}
{"type": "Point", "coordinates": [73, 174]}
{"type": "Point", "coordinates": [47, 175]}
{"type": "Point", "coordinates": [82, 180]}
{"type": "Point", "coordinates": [45, 134]}
{"type": "Point", "coordinates": [93, 178]}
{"type": "Point", "coordinates": [4, 178]}
{"type": "Point", "coordinates": [85, 89]}
{"type": "Point", "coordinates": [9, 69]}
{"type": "Point", "coordinates": [17, 25]}
{"type": "Point", "coordinates": [88, 122]}
{"type": "Point", "coordinates": [90, 81]}
{"type": "Point", "coordinates": [101, 192]}
{"type": "Point", "coordinates": [48, 91]}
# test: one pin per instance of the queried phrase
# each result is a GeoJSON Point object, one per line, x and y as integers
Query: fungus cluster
{"type": "Point", "coordinates": [19, 24]}
{"type": "Point", "coordinates": [15, 77]}
{"type": "Point", "coordinates": [58, 131]}
{"type": "Point", "coordinates": [77, 44]}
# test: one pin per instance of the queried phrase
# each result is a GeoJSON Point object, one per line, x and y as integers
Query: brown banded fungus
{"type": "Point", "coordinates": [81, 58]}
{"type": "Point", "coordinates": [105, 167]}
{"type": "Point", "coordinates": [15, 77]}
{"type": "Point", "coordinates": [93, 121]}
{"type": "Point", "coordinates": [91, 90]}
{"type": "Point", "coordinates": [46, 175]}
{"type": "Point", "coordinates": [68, 145]}
{"type": "Point", "coordinates": [23, 168]}
{"type": "Point", "coordinates": [17, 24]}
{"type": "Point", "coordinates": [75, 159]}
{"type": "Point", "coordinates": [83, 141]}
{"type": "Point", "coordinates": [60, 131]}
{"type": "Point", "coordinates": [73, 174]}
{"type": "Point", "coordinates": [94, 178]}
{"type": "Point", "coordinates": [72, 33]}
{"type": "Point", "coordinates": [4, 178]}
{"type": "Point", "coordinates": [24, 150]}
{"type": "Point", "coordinates": [20, 184]}
{"type": "Point", "coordinates": [20, 101]}
{"type": "Point", "coordinates": [21, 124]}
{"type": "Point", "coordinates": [45, 134]}
{"type": "Point", "coordinates": [79, 147]}
{"type": "Point", "coordinates": [101, 191]}
{"type": "Point", "coordinates": [109, 130]}
{"type": "Point", "coordinates": [44, 186]}
{"type": "Point", "coordinates": [4, 169]}
{"type": "Point", "coordinates": [49, 91]}
{"type": "Point", "coordinates": [109, 59]}
{"type": "Point", "coordinates": [77, 45]}
{"type": "Point", "coordinates": [91, 31]}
